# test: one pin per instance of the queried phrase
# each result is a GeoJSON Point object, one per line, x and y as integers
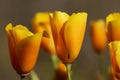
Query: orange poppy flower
{"type": "Point", "coordinates": [40, 22]}
{"type": "Point", "coordinates": [23, 47]}
{"type": "Point", "coordinates": [113, 27]}
{"type": "Point", "coordinates": [68, 33]}
{"type": "Point", "coordinates": [113, 32]}
{"type": "Point", "coordinates": [98, 35]}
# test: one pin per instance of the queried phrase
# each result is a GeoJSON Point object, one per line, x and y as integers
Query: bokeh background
{"type": "Point", "coordinates": [22, 11]}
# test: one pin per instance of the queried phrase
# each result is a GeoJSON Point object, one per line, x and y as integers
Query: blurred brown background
{"type": "Point", "coordinates": [21, 11]}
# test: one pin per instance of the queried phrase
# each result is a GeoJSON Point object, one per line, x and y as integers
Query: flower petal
{"type": "Point", "coordinates": [11, 46]}
{"type": "Point", "coordinates": [118, 57]}
{"type": "Point", "coordinates": [40, 20]}
{"type": "Point", "coordinates": [20, 32]}
{"type": "Point", "coordinates": [15, 35]}
{"type": "Point", "coordinates": [27, 52]}
{"type": "Point", "coordinates": [112, 17]}
{"type": "Point", "coordinates": [115, 56]}
{"type": "Point", "coordinates": [114, 30]}
{"type": "Point", "coordinates": [57, 21]}
{"type": "Point", "coordinates": [74, 33]}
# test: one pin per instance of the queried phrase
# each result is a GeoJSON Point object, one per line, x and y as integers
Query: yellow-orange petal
{"type": "Point", "coordinates": [61, 67]}
{"type": "Point", "coordinates": [58, 19]}
{"type": "Point", "coordinates": [48, 45]}
{"type": "Point", "coordinates": [74, 31]}
{"type": "Point", "coordinates": [8, 28]}
{"type": "Point", "coordinates": [112, 17]}
{"type": "Point", "coordinates": [27, 52]}
{"type": "Point", "coordinates": [115, 56]}
{"type": "Point", "coordinates": [61, 72]}
{"type": "Point", "coordinates": [98, 35]}
{"type": "Point", "coordinates": [118, 57]}
{"type": "Point", "coordinates": [41, 17]}
{"type": "Point", "coordinates": [114, 30]}
{"type": "Point", "coordinates": [11, 46]}
{"type": "Point", "coordinates": [41, 20]}
{"type": "Point", "coordinates": [116, 47]}
{"type": "Point", "coordinates": [20, 32]}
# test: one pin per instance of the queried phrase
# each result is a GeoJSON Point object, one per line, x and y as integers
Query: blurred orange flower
{"type": "Point", "coordinates": [68, 33]}
{"type": "Point", "coordinates": [40, 22]}
{"type": "Point", "coordinates": [61, 72]}
{"type": "Point", "coordinates": [23, 47]}
{"type": "Point", "coordinates": [98, 35]}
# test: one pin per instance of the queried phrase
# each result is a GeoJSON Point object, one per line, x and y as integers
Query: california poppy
{"type": "Point", "coordinates": [113, 33]}
{"type": "Point", "coordinates": [68, 33]}
{"type": "Point", "coordinates": [24, 48]}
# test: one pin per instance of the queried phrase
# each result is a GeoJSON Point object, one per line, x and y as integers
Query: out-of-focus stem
{"type": "Point", "coordinates": [102, 66]}
{"type": "Point", "coordinates": [68, 67]}
{"type": "Point", "coordinates": [34, 76]}
{"type": "Point", "coordinates": [55, 60]}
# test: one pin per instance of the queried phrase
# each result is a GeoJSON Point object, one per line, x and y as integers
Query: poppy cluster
{"type": "Point", "coordinates": [58, 33]}
{"type": "Point", "coordinates": [108, 32]}
{"type": "Point", "coordinates": [61, 35]}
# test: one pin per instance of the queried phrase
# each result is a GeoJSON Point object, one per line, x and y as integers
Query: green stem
{"type": "Point", "coordinates": [33, 75]}
{"type": "Point", "coordinates": [102, 66]}
{"type": "Point", "coordinates": [55, 60]}
{"type": "Point", "coordinates": [68, 67]}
